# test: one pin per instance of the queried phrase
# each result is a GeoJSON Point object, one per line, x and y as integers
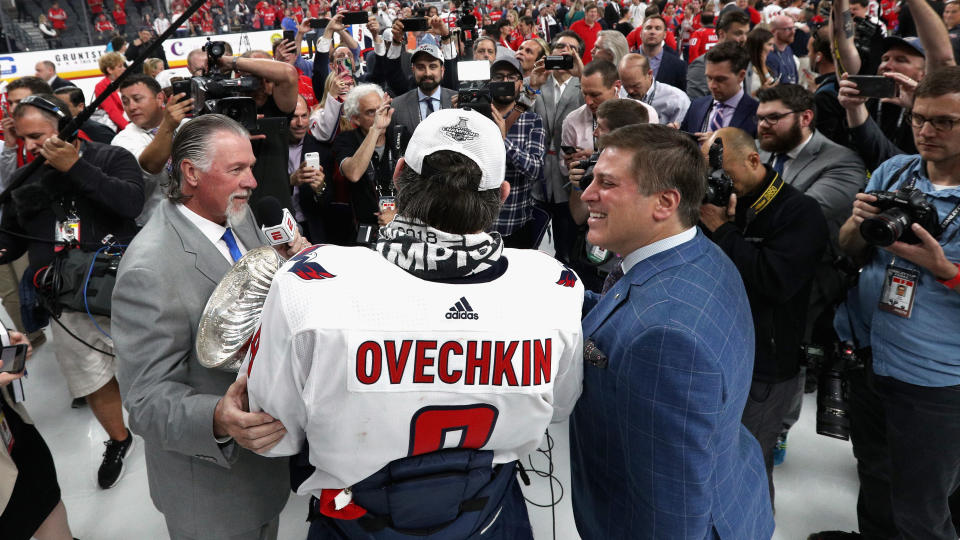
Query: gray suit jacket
{"type": "Point", "coordinates": [407, 107]}
{"type": "Point", "coordinates": [164, 281]}
{"type": "Point", "coordinates": [553, 117]}
{"type": "Point", "coordinates": [830, 173]}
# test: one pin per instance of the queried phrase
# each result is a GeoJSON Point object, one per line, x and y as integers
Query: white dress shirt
{"type": "Point", "coordinates": [213, 232]}
{"type": "Point", "coordinates": [650, 250]}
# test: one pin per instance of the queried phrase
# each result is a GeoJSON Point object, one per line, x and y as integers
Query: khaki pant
{"type": "Point", "coordinates": [10, 275]}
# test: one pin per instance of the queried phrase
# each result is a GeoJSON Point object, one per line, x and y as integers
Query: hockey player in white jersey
{"type": "Point", "coordinates": [420, 372]}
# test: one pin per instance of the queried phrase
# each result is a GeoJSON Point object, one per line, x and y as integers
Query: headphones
{"type": "Point", "coordinates": [45, 104]}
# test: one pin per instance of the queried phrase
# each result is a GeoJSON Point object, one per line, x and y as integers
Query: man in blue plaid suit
{"type": "Point", "coordinates": [657, 447]}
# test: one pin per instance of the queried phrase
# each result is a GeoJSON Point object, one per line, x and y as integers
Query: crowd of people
{"type": "Point", "coordinates": [727, 188]}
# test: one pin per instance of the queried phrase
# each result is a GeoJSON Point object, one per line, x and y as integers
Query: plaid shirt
{"type": "Point", "coordinates": [525, 151]}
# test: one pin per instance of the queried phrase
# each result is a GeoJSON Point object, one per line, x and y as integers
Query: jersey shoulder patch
{"type": "Point", "coordinates": [305, 267]}
{"type": "Point", "coordinates": [568, 278]}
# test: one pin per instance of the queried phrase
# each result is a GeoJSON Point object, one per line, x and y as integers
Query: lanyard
{"type": "Point", "coordinates": [653, 94]}
{"type": "Point", "coordinates": [765, 198]}
{"type": "Point", "coordinates": [951, 217]}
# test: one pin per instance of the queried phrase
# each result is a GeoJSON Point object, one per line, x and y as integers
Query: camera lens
{"type": "Point", "coordinates": [885, 228]}
{"type": "Point", "coordinates": [832, 417]}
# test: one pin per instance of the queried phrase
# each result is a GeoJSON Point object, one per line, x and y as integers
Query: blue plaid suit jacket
{"type": "Point", "coordinates": [657, 447]}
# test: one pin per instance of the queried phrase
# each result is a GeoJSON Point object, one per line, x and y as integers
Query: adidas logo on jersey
{"type": "Point", "coordinates": [462, 310]}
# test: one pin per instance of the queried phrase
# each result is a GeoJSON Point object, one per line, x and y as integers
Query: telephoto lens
{"type": "Point", "coordinates": [833, 419]}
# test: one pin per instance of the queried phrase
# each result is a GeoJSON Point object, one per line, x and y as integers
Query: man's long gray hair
{"type": "Point", "coordinates": [194, 142]}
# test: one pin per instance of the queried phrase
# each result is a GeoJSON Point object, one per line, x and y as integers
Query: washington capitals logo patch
{"type": "Point", "coordinates": [460, 132]}
{"type": "Point", "coordinates": [304, 267]}
{"type": "Point", "coordinates": [568, 278]}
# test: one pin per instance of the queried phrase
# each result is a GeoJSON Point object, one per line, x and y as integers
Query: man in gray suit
{"type": "Point", "coordinates": [428, 96]}
{"type": "Point", "coordinates": [191, 418]}
{"type": "Point", "coordinates": [831, 174]}
{"type": "Point", "coordinates": [559, 95]}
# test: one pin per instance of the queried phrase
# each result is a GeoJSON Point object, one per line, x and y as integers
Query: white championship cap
{"type": "Point", "coordinates": [464, 132]}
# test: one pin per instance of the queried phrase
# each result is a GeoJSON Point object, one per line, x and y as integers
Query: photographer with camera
{"type": "Point", "coordinates": [776, 237]}
{"type": "Point", "coordinates": [904, 405]}
{"type": "Point", "coordinates": [85, 196]}
{"type": "Point", "coordinates": [523, 138]}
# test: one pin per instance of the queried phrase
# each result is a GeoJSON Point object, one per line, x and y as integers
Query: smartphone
{"type": "Point", "coordinates": [415, 24]}
{"type": "Point", "coordinates": [356, 17]}
{"type": "Point", "coordinates": [558, 62]}
{"type": "Point", "coordinates": [874, 86]}
{"type": "Point", "coordinates": [181, 86]}
{"type": "Point", "coordinates": [568, 149]}
{"type": "Point", "coordinates": [312, 159]}
{"type": "Point", "coordinates": [290, 35]}
{"type": "Point", "coordinates": [344, 68]}
{"type": "Point", "coordinates": [14, 358]}
{"type": "Point", "coordinates": [319, 24]}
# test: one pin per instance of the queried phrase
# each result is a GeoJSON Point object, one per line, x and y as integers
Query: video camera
{"type": "Point", "coordinates": [215, 92]}
{"type": "Point", "coordinates": [898, 210]}
{"type": "Point", "coordinates": [719, 183]}
{"type": "Point", "coordinates": [466, 20]}
{"type": "Point", "coordinates": [475, 91]}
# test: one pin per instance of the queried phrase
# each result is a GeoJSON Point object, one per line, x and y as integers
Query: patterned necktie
{"type": "Point", "coordinates": [232, 245]}
{"type": "Point", "coordinates": [429, 102]}
{"type": "Point", "coordinates": [716, 119]}
{"type": "Point", "coordinates": [612, 278]}
{"type": "Point", "coordinates": [779, 160]}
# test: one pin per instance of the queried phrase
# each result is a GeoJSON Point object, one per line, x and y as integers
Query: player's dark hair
{"type": "Point", "coordinates": [618, 113]}
{"type": "Point", "coordinates": [729, 51]}
{"type": "Point", "coordinates": [664, 158]}
{"type": "Point", "coordinates": [446, 197]}
{"type": "Point", "coordinates": [822, 45]}
{"type": "Point", "coordinates": [864, 3]}
{"type": "Point", "coordinates": [939, 82]}
{"type": "Point", "coordinates": [144, 79]}
{"type": "Point", "coordinates": [607, 71]}
{"type": "Point", "coordinates": [35, 84]}
{"type": "Point", "coordinates": [706, 18]}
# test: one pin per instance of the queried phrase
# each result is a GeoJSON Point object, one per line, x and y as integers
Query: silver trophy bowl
{"type": "Point", "coordinates": [232, 312]}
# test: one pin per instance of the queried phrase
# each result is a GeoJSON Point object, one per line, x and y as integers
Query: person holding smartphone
{"type": "Point", "coordinates": [30, 502]}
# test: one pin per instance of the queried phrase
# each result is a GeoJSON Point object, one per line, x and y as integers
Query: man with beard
{"type": "Point", "coordinates": [732, 26]}
{"type": "Point", "coordinates": [637, 82]}
{"type": "Point", "coordinates": [191, 418]}
{"type": "Point", "coordinates": [776, 237]}
{"type": "Point", "coordinates": [428, 96]}
{"type": "Point", "coordinates": [523, 138]}
{"type": "Point", "coordinates": [804, 157]}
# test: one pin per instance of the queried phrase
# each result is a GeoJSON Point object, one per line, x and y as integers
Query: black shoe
{"type": "Point", "coordinates": [78, 402]}
{"type": "Point", "coordinates": [112, 467]}
{"type": "Point", "coordinates": [834, 535]}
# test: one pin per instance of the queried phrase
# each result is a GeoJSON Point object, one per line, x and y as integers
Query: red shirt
{"type": "Point", "coordinates": [495, 16]}
{"type": "Point", "coordinates": [635, 40]}
{"type": "Point", "coordinates": [588, 35]}
{"type": "Point", "coordinates": [59, 18]}
{"type": "Point", "coordinates": [305, 89]}
{"type": "Point", "coordinates": [120, 16]}
{"type": "Point", "coordinates": [103, 25]}
{"type": "Point", "coordinates": [269, 18]}
{"type": "Point", "coordinates": [96, 6]}
{"type": "Point", "coordinates": [314, 10]}
{"type": "Point", "coordinates": [112, 105]}
{"type": "Point", "coordinates": [701, 41]}
{"type": "Point", "coordinates": [298, 14]}
{"type": "Point", "coordinates": [119, 4]}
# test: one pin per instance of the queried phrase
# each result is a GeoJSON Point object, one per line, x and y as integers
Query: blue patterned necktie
{"type": "Point", "coordinates": [232, 245]}
{"type": "Point", "coordinates": [716, 119]}
{"type": "Point", "coordinates": [612, 278]}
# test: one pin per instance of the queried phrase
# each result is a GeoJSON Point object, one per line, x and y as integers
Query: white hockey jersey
{"type": "Point", "coordinates": [371, 364]}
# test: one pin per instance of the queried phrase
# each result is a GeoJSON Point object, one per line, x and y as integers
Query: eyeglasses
{"type": "Point", "coordinates": [939, 123]}
{"type": "Point", "coordinates": [773, 118]}
{"type": "Point", "coordinates": [501, 77]}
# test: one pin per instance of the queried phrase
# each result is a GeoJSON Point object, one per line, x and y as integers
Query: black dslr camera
{"type": "Point", "coordinates": [719, 183]}
{"type": "Point", "coordinates": [466, 20]}
{"type": "Point", "coordinates": [833, 416]}
{"type": "Point", "coordinates": [898, 210]}
{"type": "Point", "coordinates": [214, 92]}
{"type": "Point", "coordinates": [476, 91]}
{"type": "Point", "coordinates": [587, 166]}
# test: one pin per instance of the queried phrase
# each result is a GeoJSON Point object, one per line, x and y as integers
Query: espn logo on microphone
{"type": "Point", "coordinates": [284, 232]}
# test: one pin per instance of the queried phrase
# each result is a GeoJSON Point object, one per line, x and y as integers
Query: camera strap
{"type": "Point", "coordinates": [766, 197]}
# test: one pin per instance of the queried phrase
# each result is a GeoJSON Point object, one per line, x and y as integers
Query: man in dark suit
{"type": "Point", "coordinates": [47, 70]}
{"type": "Point", "coordinates": [190, 417]}
{"type": "Point", "coordinates": [428, 96]}
{"type": "Point", "coordinates": [657, 447]}
{"type": "Point", "coordinates": [667, 67]}
{"type": "Point", "coordinates": [727, 105]}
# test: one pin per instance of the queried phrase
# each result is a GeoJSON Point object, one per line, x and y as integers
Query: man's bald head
{"type": "Point", "coordinates": [635, 75]}
{"type": "Point", "coordinates": [735, 140]}
{"type": "Point", "coordinates": [741, 160]}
